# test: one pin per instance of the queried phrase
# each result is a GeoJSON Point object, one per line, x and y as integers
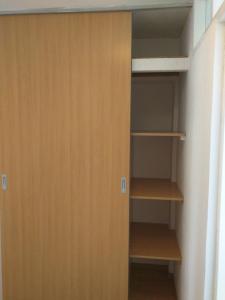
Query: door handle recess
{"type": "Point", "coordinates": [123, 185]}
{"type": "Point", "coordinates": [4, 182]}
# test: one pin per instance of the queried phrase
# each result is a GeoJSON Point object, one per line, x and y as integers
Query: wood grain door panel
{"type": "Point", "coordinates": [64, 131]}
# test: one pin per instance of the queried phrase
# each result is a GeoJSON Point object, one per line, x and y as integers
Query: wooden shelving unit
{"type": "Point", "coordinates": [154, 241]}
{"type": "Point", "coordinates": [154, 189]}
{"type": "Point", "coordinates": [150, 241]}
{"type": "Point", "coordinates": [146, 282]}
{"type": "Point", "coordinates": [157, 134]}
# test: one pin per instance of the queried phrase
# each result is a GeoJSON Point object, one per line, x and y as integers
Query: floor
{"type": "Point", "coordinates": [151, 282]}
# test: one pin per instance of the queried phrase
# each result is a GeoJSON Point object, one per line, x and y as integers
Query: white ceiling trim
{"type": "Point", "coordinates": [57, 6]}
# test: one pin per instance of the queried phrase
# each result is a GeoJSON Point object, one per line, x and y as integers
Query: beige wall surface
{"type": "Point", "coordinates": [152, 109]}
{"type": "Point", "coordinates": [163, 47]}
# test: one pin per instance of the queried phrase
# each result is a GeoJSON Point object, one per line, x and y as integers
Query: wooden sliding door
{"type": "Point", "coordinates": [64, 146]}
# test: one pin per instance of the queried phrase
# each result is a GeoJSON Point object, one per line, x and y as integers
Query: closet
{"type": "Point", "coordinates": [89, 137]}
{"type": "Point", "coordinates": [155, 140]}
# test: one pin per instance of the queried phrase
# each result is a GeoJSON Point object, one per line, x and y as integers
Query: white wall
{"type": "Point", "coordinates": [219, 286]}
{"type": "Point", "coordinates": [199, 19]}
{"type": "Point", "coordinates": [220, 260]}
{"type": "Point", "coordinates": [214, 159]}
{"type": "Point", "coordinates": [216, 5]}
{"type": "Point", "coordinates": [197, 173]}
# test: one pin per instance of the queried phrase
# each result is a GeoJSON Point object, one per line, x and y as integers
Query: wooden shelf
{"type": "Point", "coordinates": [157, 134]}
{"type": "Point", "coordinates": [151, 282]}
{"type": "Point", "coordinates": [154, 241]}
{"type": "Point", "coordinates": [164, 64]}
{"type": "Point", "coordinates": [154, 189]}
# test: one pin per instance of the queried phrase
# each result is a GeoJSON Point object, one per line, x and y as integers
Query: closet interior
{"type": "Point", "coordinates": [157, 62]}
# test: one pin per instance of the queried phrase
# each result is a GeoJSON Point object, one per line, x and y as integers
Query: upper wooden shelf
{"type": "Point", "coordinates": [158, 134]}
{"type": "Point", "coordinates": [154, 189]}
{"type": "Point", "coordinates": [154, 241]}
{"type": "Point", "coordinates": [164, 64]}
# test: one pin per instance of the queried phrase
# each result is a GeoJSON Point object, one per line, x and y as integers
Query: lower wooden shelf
{"type": "Point", "coordinates": [154, 241]}
{"type": "Point", "coordinates": [151, 282]}
{"type": "Point", "coordinates": [155, 189]}
{"type": "Point", "coordinates": [158, 134]}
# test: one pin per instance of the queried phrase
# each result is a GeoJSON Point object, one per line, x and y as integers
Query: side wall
{"type": "Point", "coordinates": [197, 172]}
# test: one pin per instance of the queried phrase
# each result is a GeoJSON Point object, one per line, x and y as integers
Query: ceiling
{"type": "Point", "coordinates": [159, 23]}
{"type": "Point", "coordinates": [17, 6]}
